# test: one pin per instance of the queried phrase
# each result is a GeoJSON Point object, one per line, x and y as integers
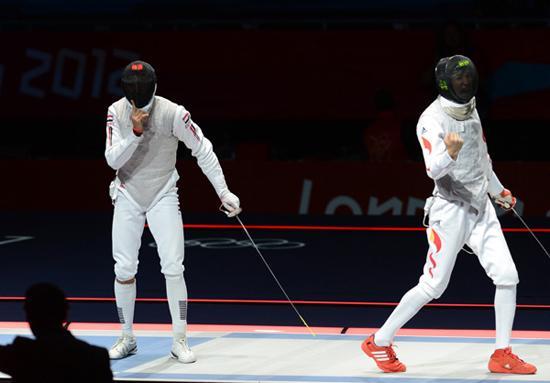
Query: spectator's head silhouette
{"type": "Point", "coordinates": [46, 308]}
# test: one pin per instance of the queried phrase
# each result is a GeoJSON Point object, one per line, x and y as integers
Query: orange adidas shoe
{"type": "Point", "coordinates": [503, 361]}
{"type": "Point", "coordinates": [385, 357]}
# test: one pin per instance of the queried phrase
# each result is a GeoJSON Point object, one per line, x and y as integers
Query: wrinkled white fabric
{"type": "Point", "coordinates": [457, 111]}
{"type": "Point", "coordinates": [471, 176]}
{"type": "Point", "coordinates": [146, 165]}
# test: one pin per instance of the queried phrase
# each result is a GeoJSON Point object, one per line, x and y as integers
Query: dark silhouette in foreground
{"type": "Point", "coordinates": [55, 355]}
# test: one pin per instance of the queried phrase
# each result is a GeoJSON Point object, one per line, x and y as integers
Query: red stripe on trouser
{"type": "Point", "coordinates": [436, 241]}
{"type": "Point", "coordinates": [434, 264]}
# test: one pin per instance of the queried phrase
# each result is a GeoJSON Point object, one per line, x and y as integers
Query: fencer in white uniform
{"type": "Point", "coordinates": [143, 132]}
{"type": "Point", "coordinates": [460, 213]}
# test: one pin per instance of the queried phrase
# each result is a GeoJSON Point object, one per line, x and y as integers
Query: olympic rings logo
{"type": "Point", "coordinates": [231, 243]}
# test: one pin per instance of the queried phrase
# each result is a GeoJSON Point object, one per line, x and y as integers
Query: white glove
{"type": "Point", "coordinates": [231, 204]}
{"type": "Point", "coordinates": [505, 199]}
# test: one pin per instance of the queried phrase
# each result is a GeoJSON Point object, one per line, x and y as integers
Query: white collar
{"type": "Point", "coordinates": [457, 111]}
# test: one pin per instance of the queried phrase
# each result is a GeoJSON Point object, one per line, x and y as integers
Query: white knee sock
{"type": "Point", "coordinates": [125, 296]}
{"type": "Point", "coordinates": [505, 310]}
{"type": "Point", "coordinates": [176, 292]}
{"type": "Point", "coordinates": [410, 304]}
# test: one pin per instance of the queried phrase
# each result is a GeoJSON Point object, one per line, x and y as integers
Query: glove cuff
{"type": "Point", "coordinates": [505, 193]}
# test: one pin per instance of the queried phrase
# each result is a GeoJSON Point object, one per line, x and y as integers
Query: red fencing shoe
{"type": "Point", "coordinates": [503, 361]}
{"type": "Point", "coordinates": [385, 357]}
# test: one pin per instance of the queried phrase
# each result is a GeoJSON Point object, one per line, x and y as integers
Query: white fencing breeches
{"type": "Point", "coordinates": [452, 225]}
{"type": "Point", "coordinates": [166, 225]}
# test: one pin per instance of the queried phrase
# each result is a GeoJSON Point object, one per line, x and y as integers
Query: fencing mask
{"type": "Point", "coordinates": [456, 78]}
{"type": "Point", "coordinates": [139, 83]}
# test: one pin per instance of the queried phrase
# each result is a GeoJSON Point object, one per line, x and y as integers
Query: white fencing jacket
{"type": "Point", "coordinates": [471, 176]}
{"type": "Point", "coordinates": [146, 165]}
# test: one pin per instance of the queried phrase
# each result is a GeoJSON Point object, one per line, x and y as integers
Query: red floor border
{"type": "Point", "coordinates": [467, 333]}
{"type": "Point", "coordinates": [284, 302]}
{"type": "Point", "coordinates": [336, 228]}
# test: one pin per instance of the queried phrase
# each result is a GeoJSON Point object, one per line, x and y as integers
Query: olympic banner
{"type": "Point", "coordinates": [270, 187]}
{"type": "Point", "coordinates": [222, 74]}
{"type": "Point", "coordinates": [268, 74]}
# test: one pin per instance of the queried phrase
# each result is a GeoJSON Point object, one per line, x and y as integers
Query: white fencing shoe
{"type": "Point", "coordinates": [125, 346]}
{"type": "Point", "coordinates": [182, 352]}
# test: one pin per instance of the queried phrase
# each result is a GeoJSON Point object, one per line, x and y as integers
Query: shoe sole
{"type": "Point", "coordinates": [174, 356]}
{"type": "Point", "coordinates": [511, 372]}
{"type": "Point", "coordinates": [130, 353]}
